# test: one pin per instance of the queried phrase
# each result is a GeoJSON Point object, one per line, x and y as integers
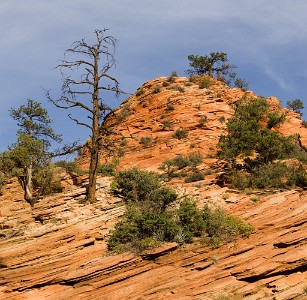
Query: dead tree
{"type": "Point", "coordinates": [85, 92]}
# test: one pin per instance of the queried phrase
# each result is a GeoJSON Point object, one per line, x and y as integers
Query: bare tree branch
{"type": "Point", "coordinates": [78, 122]}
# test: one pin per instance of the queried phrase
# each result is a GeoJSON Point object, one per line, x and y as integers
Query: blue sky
{"type": "Point", "coordinates": [267, 40]}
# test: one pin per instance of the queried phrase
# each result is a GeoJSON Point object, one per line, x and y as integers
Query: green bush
{"type": "Point", "coordinates": [205, 82]}
{"type": "Point", "coordinates": [241, 83]}
{"type": "Point", "coordinates": [150, 220]}
{"type": "Point", "coordinates": [191, 219]}
{"type": "Point", "coordinates": [272, 175]}
{"type": "Point", "coordinates": [180, 134]}
{"type": "Point", "coordinates": [69, 166]}
{"type": "Point", "coordinates": [169, 106]}
{"type": "Point", "coordinates": [172, 77]}
{"type": "Point", "coordinates": [223, 227]}
{"type": "Point", "coordinates": [157, 90]}
{"type": "Point", "coordinates": [195, 159]}
{"type": "Point", "coordinates": [138, 185]}
{"type": "Point", "coordinates": [123, 142]}
{"type": "Point", "coordinates": [173, 165]}
{"type": "Point", "coordinates": [258, 148]}
{"type": "Point", "coordinates": [140, 92]}
{"type": "Point", "coordinates": [2, 178]}
{"type": "Point", "coordinates": [145, 141]}
{"type": "Point", "coordinates": [167, 124]}
{"type": "Point", "coordinates": [180, 161]}
{"type": "Point", "coordinates": [195, 176]}
{"type": "Point", "coordinates": [222, 119]}
{"type": "Point", "coordinates": [47, 181]}
{"type": "Point", "coordinates": [107, 169]}
{"type": "Point", "coordinates": [143, 228]}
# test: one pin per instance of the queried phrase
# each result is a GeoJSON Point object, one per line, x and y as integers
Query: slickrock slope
{"type": "Point", "coordinates": [57, 250]}
{"type": "Point", "coordinates": [143, 126]}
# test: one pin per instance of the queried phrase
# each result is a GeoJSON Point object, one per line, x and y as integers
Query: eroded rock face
{"type": "Point", "coordinates": [58, 249]}
{"type": "Point", "coordinates": [62, 254]}
{"type": "Point", "coordinates": [143, 126]}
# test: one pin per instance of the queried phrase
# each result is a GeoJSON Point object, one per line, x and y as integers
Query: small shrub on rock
{"type": "Point", "coordinates": [195, 176]}
{"type": "Point", "coordinates": [180, 134]}
{"type": "Point", "coordinates": [157, 90]}
{"type": "Point", "coordinates": [145, 141]}
{"type": "Point", "coordinates": [140, 92]}
{"type": "Point", "coordinates": [204, 82]}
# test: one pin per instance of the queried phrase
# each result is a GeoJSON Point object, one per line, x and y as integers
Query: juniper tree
{"type": "Point", "coordinates": [30, 152]}
{"type": "Point", "coordinates": [215, 63]}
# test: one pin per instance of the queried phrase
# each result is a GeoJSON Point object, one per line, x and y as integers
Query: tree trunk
{"type": "Point", "coordinates": [91, 192]}
{"type": "Point", "coordinates": [210, 71]}
{"type": "Point", "coordinates": [28, 184]}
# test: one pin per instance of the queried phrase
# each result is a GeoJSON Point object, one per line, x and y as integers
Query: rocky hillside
{"type": "Point", "coordinates": [144, 125]}
{"type": "Point", "coordinates": [57, 250]}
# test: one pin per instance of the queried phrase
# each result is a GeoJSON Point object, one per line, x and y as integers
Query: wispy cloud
{"type": "Point", "coordinates": [155, 39]}
{"type": "Point", "coordinates": [282, 81]}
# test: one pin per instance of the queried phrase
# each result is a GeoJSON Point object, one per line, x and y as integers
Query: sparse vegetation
{"type": "Point", "coordinates": [167, 124]}
{"type": "Point", "coordinates": [157, 89]}
{"type": "Point", "coordinates": [203, 120]}
{"type": "Point", "coordinates": [70, 167]}
{"type": "Point", "coordinates": [173, 166]}
{"type": "Point", "coordinates": [107, 169]}
{"type": "Point", "coordinates": [177, 88]}
{"type": "Point", "coordinates": [169, 107]}
{"type": "Point", "coordinates": [222, 119]}
{"type": "Point", "coordinates": [241, 83]}
{"type": "Point", "coordinates": [140, 92]}
{"type": "Point", "coordinates": [124, 113]}
{"type": "Point", "coordinates": [172, 77]}
{"type": "Point", "coordinates": [151, 220]}
{"type": "Point", "coordinates": [180, 134]}
{"type": "Point", "coordinates": [194, 176]}
{"type": "Point", "coordinates": [205, 82]}
{"type": "Point", "coordinates": [145, 141]}
{"type": "Point", "coordinates": [123, 141]}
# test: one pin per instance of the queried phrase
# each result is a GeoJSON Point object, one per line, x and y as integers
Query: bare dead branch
{"type": "Point", "coordinates": [78, 122]}
{"type": "Point", "coordinates": [66, 149]}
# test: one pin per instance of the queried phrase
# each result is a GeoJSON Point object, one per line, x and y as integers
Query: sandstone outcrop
{"type": "Point", "coordinates": [58, 249]}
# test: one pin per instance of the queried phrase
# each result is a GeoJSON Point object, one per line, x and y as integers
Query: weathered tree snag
{"type": "Point", "coordinates": [89, 87]}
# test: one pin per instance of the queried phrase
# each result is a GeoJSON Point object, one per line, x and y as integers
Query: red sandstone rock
{"type": "Point", "coordinates": [57, 250]}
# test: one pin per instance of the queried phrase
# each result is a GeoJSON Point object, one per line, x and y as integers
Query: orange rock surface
{"type": "Point", "coordinates": [57, 249]}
